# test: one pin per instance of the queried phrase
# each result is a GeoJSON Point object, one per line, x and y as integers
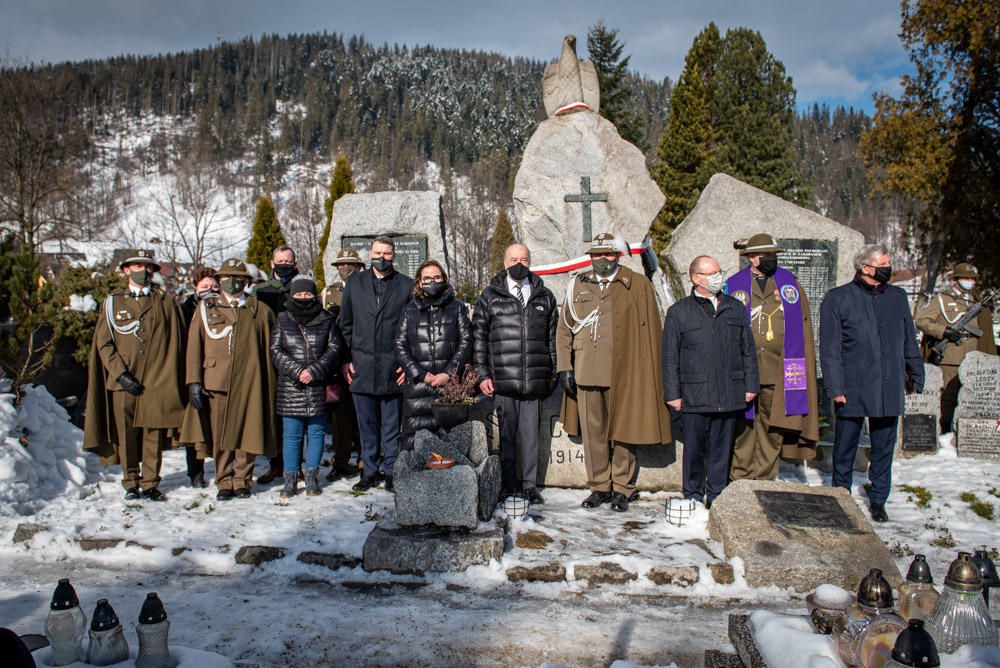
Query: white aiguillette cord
{"type": "Point", "coordinates": [590, 319]}
{"type": "Point", "coordinates": [124, 331]}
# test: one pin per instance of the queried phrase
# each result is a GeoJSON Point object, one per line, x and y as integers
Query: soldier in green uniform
{"type": "Point", "coordinates": [774, 428]}
{"type": "Point", "coordinates": [135, 395]}
{"type": "Point", "coordinates": [935, 320]}
{"type": "Point", "coordinates": [230, 382]}
{"type": "Point", "coordinates": [344, 424]}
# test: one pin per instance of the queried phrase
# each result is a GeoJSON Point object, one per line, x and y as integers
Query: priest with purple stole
{"type": "Point", "coordinates": [783, 421]}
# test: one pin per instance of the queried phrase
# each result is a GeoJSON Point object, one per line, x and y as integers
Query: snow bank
{"type": "Point", "coordinates": [83, 304]}
{"type": "Point", "coordinates": [41, 454]}
{"type": "Point", "coordinates": [186, 657]}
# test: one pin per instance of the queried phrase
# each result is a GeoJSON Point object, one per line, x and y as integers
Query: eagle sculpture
{"type": "Point", "coordinates": [570, 81]}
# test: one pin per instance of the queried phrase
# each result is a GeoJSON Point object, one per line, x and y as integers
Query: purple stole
{"type": "Point", "coordinates": [794, 353]}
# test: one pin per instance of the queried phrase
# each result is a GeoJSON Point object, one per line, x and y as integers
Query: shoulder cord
{"type": "Point", "coordinates": [213, 334]}
{"type": "Point", "coordinates": [124, 331]}
{"type": "Point", "coordinates": [945, 315]}
{"type": "Point", "coordinates": [590, 319]}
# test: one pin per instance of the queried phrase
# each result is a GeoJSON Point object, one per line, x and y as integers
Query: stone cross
{"type": "Point", "coordinates": [585, 198]}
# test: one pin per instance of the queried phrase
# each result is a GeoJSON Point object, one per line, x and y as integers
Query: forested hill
{"type": "Point", "coordinates": [388, 108]}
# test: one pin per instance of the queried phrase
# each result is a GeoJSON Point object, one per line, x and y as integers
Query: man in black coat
{"type": "Point", "coordinates": [514, 335]}
{"type": "Point", "coordinates": [868, 347]}
{"type": "Point", "coordinates": [710, 375]}
{"type": "Point", "coordinates": [369, 316]}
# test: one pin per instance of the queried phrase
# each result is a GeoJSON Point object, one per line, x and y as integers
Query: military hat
{"type": "Point", "coordinates": [233, 267]}
{"type": "Point", "coordinates": [605, 242]}
{"type": "Point", "coordinates": [347, 256]}
{"type": "Point", "coordinates": [759, 243]}
{"type": "Point", "coordinates": [143, 255]}
{"type": "Point", "coordinates": [964, 270]}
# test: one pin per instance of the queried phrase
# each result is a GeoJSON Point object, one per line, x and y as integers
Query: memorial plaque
{"type": "Point", "coordinates": [919, 433]}
{"type": "Point", "coordinates": [814, 511]}
{"type": "Point", "coordinates": [411, 250]}
{"type": "Point", "coordinates": [978, 438]}
{"type": "Point", "coordinates": [980, 393]}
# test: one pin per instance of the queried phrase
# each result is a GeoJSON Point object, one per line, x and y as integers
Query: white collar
{"type": "Point", "coordinates": [137, 292]}
{"type": "Point", "coordinates": [607, 279]}
{"type": "Point", "coordinates": [241, 300]}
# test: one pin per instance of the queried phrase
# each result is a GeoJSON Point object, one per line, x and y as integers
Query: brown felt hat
{"type": "Point", "coordinates": [759, 243]}
{"type": "Point", "coordinates": [347, 256]}
{"type": "Point", "coordinates": [143, 255]}
{"type": "Point", "coordinates": [233, 267]}
{"type": "Point", "coordinates": [964, 270]}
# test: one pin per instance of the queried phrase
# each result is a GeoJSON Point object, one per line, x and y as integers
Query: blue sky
{"type": "Point", "coordinates": [837, 52]}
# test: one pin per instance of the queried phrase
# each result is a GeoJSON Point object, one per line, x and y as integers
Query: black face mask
{"type": "Point", "coordinates": [604, 267]}
{"type": "Point", "coordinates": [304, 304]}
{"type": "Point", "coordinates": [303, 310]}
{"type": "Point", "coordinates": [205, 294]}
{"type": "Point", "coordinates": [140, 278]}
{"type": "Point", "coordinates": [434, 290]}
{"type": "Point", "coordinates": [768, 264]}
{"type": "Point", "coordinates": [883, 274]}
{"type": "Point", "coordinates": [381, 264]}
{"type": "Point", "coordinates": [285, 271]}
{"type": "Point", "coordinates": [232, 286]}
{"type": "Point", "coordinates": [518, 271]}
{"type": "Point", "coordinates": [346, 270]}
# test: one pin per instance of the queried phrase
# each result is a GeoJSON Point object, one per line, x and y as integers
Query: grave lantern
{"type": "Point", "coordinates": [917, 595]}
{"type": "Point", "coordinates": [66, 626]}
{"type": "Point", "coordinates": [866, 633]}
{"type": "Point", "coordinates": [152, 629]}
{"type": "Point", "coordinates": [988, 574]}
{"type": "Point", "coordinates": [107, 639]}
{"type": "Point", "coordinates": [960, 616]}
{"type": "Point", "coordinates": [914, 647]}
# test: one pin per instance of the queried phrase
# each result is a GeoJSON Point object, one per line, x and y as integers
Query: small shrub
{"type": "Point", "coordinates": [943, 539]}
{"type": "Point", "coordinates": [919, 495]}
{"type": "Point", "coordinates": [982, 508]}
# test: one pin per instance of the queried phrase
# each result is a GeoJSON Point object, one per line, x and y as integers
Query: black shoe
{"type": "Point", "coordinates": [708, 505]}
{"type": "Point", "coordinates": [366, 483]}
{"type": "Point", "coordinates": [132, 494]}
{"type": "Point", "coordinates": [595, 499]}
{"type": "Point", "coordinates": [242, 493]}
{"type": "Point", "coordinates": [533, 497]}
{"type": "Point", "coordinates": [269, 476]}
{"type": "Point", "coordinates": [153, 494]}
{"type": "Point", "coordinates": [878, 512]}
{"type": "Point", "coordinates": [619, 503]}
{"type": "Point", "coordinates": [338, 472]}
{"type": "Point", "coordinates": [225, 494]}
{"type": "Point", "coordinates": [633, 497]}
{"type": "Point", "coordinates": [388, 483]}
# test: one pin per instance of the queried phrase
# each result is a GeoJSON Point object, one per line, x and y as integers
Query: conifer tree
{"type": "Point", "coordinates": [341, 183]}
{"type": "Point", "coordinates": [266, 234]}
{"type": "Point", "coordinates": [612, 69]}
{"type": "Point", "coordinates": [503, 236]}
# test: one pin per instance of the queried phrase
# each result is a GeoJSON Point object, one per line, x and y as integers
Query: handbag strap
{"type": "Point", "coordinates": [306, 338]}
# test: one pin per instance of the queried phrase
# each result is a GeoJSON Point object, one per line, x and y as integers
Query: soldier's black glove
{"type": "Point", "coordinates": [568, 382]}
{"type": "Point", "coordinates": [953, 335]}
{"type": "Point", "coordinates": [195, 393]}
{"type": "Point", "coordinates": [130, 384]}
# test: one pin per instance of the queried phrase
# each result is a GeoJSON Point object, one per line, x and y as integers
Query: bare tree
{"type": "Point", "coordinates": [304, 218]}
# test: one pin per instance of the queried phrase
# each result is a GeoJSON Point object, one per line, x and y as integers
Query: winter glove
{"type": "Point", "coordinates": [568, 382]}
{"type": "Point", "coordinates": [195, 393]}
{"type": "Point", "coordinates": [130, 384]}
{"type": "Point", "coordinates": [953, 335]}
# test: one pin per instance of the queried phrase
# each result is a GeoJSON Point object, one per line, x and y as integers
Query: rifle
{"type": "Point", "coordinates": [964, 326]}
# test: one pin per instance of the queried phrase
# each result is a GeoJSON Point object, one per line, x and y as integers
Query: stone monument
{"type": "Point", "coordinates": [978, 413]}
{"type": "Point", "coordinates": [793, 535]}
{"type": "Point", "coordinates": [920, 425]}
{"type": "Point", "coordinates": [577, 179]}
{"type": "Point", "coordinates": [412, 218]}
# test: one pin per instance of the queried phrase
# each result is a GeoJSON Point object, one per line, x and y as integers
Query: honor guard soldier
{"type": "Point", "coordinates": [935, 320]}
{"type": "Point", "coordinates": [784, 418]}
{"type": "Point", "coordinates": [135, 392]}
{"type": "Point", "coordinates": [230, 382]}
{"type": "Point", "coordinates": [344, 427]}
{"type": "Point", "coordinates": [608, 363]}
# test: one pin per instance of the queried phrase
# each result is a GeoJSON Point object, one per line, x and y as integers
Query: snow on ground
{"type": "Point", "coordinates": [289, 613]}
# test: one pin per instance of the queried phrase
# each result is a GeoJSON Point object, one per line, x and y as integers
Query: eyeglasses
{"type": "Point", "coordinates": [437, 278]}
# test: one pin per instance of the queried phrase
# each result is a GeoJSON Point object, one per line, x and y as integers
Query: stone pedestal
{"type": "Point", "coordinates": [418, 550]}
{"type": "Point", "coordinates": [793, 535]}
{"type": "Point", "coordinates": [977, 416]}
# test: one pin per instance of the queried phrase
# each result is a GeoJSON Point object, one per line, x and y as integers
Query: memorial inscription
{"type": "Point", "coordinates": [411, 250]}
{"type": "Point", "coordinates": [814, 511]}
{"type": "Point", "coordinates": [978, 438]}
{"type": "Point", "coordinates": [919, 432]}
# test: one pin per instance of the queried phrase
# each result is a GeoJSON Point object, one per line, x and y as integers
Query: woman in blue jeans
{"type": "Point", "coordinates": [305, 351]}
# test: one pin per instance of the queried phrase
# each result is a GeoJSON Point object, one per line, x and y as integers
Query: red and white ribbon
{"type": "Point", "coordinates": [580, 262]}
{"type": "Point", "coordinates": [571, 107]}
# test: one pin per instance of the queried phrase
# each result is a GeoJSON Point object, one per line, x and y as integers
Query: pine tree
{"type": "Point", "coordinates": [612, 69]}
{"type": "Point", "coordinates": [266, 234]}
{"type": "Point", "coordinates": [341, 183]}
{"type": "Point", "coordinates": [503, 236]}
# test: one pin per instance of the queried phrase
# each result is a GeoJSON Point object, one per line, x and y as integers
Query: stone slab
{"type": "Point", "coordinates": [562, 151]}
{"type": "Point", "coordinates": [392, 213]}
{"type": "Point", "coordinates": [446, 498]}
{"type": "Point", "coordinates": [551, 572]}
{"type": "Point", "coordinates": [718, 659]}
{"type": "Point", "coordinates": [606, 572]}
{"type": "Point", "coordinates": [978, 438]}
{"type": "Point", "coordinates": [256, 555]}
{"type": "Point", "coordinates": [918, 435]}
{"type": "Point", "coordinates": [793, 555]}
{"type": "Point", "coordinates": [979, 397]}
{"type": "Point", "coordinates": [489, 476]}
{"type": "Point", "coordinates": [680, 576]}
{"type": "Point", "coordinates": [331, 560]}
{"type": "Point", "coordinates": [418, 550]}
{"type": "Point", "coordinates": [25, 531]}
{"type": "Point", "coordinates": [742, 639]}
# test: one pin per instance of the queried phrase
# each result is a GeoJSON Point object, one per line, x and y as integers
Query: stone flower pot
{"type": "Point", "coordinates": [449, 416]}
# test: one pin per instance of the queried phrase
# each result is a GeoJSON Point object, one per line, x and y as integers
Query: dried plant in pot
{"type": "Point", "coordinates": [456, 399]}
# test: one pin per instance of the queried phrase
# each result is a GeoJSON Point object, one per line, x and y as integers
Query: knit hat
{"type": "Point", "coordinates": [301, 283]}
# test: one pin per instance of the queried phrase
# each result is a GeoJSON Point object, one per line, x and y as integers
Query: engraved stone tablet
{"type": "Point", "coordinates": [978, 438]}
{"type": "Point", "coordinates": [808, 510]}
{"type": "Point", "coordinates": [980, 393]}
{"type": "Point", "coordinates": [919, 433]}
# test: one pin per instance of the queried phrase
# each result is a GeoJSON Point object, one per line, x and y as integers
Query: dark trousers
{"type": "Point", "coordinates": [378, 423]}
{"type": "Point", "coordinates": [708, 442]}
{"type": "Point", "coordinates": [195, 466]}
{"type": "Point", "coordinates": [882, 432]}
{"type": "Point", "coordinates": [518, 417]}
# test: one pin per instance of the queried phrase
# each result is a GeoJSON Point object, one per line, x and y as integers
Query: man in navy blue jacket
{"type": "Point", "coordinates": [868, 347]}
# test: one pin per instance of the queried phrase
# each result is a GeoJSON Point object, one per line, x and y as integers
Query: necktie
{"type": "Point", "coordinates": [519, 293]}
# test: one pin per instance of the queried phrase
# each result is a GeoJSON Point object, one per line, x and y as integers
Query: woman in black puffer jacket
{"type": "Point", "coordinates": [433, 344]}
{"type": "Point", "coordinates": [305, 351]}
